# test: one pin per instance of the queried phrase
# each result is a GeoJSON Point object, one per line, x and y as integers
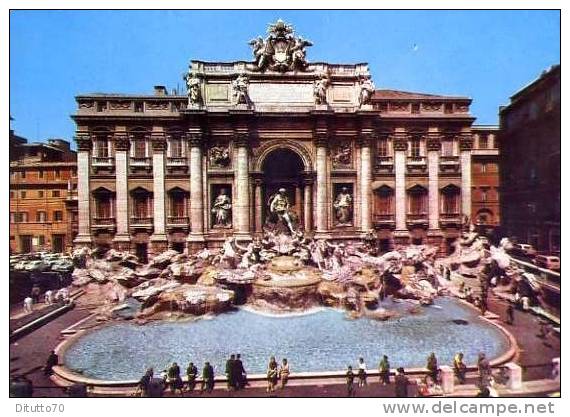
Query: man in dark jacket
{"type": "Point", "coordinates": [230, 372]}
{"type": "Point", "coordinates": [50, 363]}
{"type": "Point", "coordinates": [239, 373]}
{"type": "Point", "coordinates": [174, 379]}
{"type": "Point", "coordinates": [191, 374]}
{"type": "Point", "coordinates": [401, 382]}
{"type": "Point", "coordinates": [207, 378]}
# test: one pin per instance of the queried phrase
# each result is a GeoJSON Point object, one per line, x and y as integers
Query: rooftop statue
{"type": "Point", "coordinates": [193, 87]}
{"type": "Point", "coordinates": [281, 50]}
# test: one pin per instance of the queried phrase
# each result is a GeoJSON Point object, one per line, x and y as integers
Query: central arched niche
{"type": "Point", "coordinates": [283, 168]}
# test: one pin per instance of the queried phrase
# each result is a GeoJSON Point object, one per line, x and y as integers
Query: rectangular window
{"type": "Point", "coordinates": [175, 148]}
{"type": "Point", "coordinates": [57, 173]}
{"type": "Point", "coordinates": [41, 240]}
{"type": "Point", "coordinates": [101, 148]}
{"type": "Point", "coordinates": [55, 193]}
{"type": "Point", "coordinates": [178, 206]}
{"type": "Point", "coordinates": [23, 174]}
{"type": "Point", "coordinates": [41, 173]}
{"type": "Point", "coordinates": [103, 207]}
{"type": "Point", "coordinates": [415, 148]}
{"type": "Point", "coordinates": [23, 194]}
{"type": "Point", "coordinates": [383, 147]}
{"type": "Point", "coordinates": [57, 216]}
{"type": "Point", "coordinates": [417, 203]}
{"type": "Point", "coordinates": [139, 107]}
{"type": "Point", "coordinates": [415, 108]}
{"type": "Point", "coordinates": [101, 106]}
{"type": "Point", "coordinates": [40, 194]}
{"type": "Point", "coordinates": [41, 216]}
{"type": "Point", "coordinates": [140, 148]}
{"type": "Point", "coordinates": [483, 141]}
{"type": "Point", "coordinates": [447, 148]}
{"type": "Point", "coordinates": [23, 217]}
{"type": "Point", "coordinates": [384, 204]}
{"type": "Point", "coordinates": [451, 203]}
{"type": "Point", "coordinates": [11, 194]}
{"type": "Point", "coordinates": [483, 195]}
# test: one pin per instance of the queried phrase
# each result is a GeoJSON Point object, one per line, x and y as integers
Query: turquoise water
{"type": "Point", "coordinates": [321, 341]}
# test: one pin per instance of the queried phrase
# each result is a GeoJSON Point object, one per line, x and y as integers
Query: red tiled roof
{"type": "Point", "coordinates": [406, 95]}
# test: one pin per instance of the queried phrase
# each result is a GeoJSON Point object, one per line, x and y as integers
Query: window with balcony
{"type": "Point", "coordinates": [101, 147]}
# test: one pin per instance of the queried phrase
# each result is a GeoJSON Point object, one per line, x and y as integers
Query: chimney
{"type": "Point", "coordinates": [160, 90]}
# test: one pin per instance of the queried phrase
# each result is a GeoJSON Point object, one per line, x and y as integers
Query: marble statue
{"type": "Point", "coordinates": [279, 207]}
{"type": "Point", "coordinates": [193, 86]}
{"type": "Point", "coordinates": [320, 90]}
{"type": "Point", "coordinates": [222, 209]}
{"type": "Point", "coordinates": [240, 90]}
{"type": "Point", "coordinates": [343, 206]}
{"type": "Point", "coordinates": [366, 90]}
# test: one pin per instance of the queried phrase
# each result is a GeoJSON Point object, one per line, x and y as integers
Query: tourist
{"type": "Point", "coordinates": [510, 315]}
{"type": "Point", "coordinates": [48, 297]}
{"type": "Point", "coordinates": [484, 368]}
{"type": "Point", "coordinates": [483, 392]}
{"type": "Point", "coordinates": [401, 382]}
{"type": "Point", "coordinates": [145, 382]}
{"type": "Point", "coordinates": [428, 388]}
{"type": "Point", "coordinates": [239, 373]}
{"type": "Point", "coordinates": [384, 370]}
{"type": "Point", "coordinates": [174, 379]}
{"type": "Point", "coordinates": [50, 363]}
{"type": "Point", "coordinates": [230, 377]}
{"type": "Point", "coordinates": [35, 294]}
{"type": "Point", "coordinates": [272, 375]}
{"type": "Point", "coordinates": [432, 366]}
{"type": "Point", "coordinates": [284, 373]}
{"type": "Point", "coordinates": [28, 304]}
{"type": "Point", "coordinates": [361, 372]}
{"type": "Point", "coordinates": [191, 374]}
{"type": "Point", "coordinates": [459, 368]}
{"type": "Point", "coordinates": [207, 378]}
{"type": "Point", "coordinates": [350, 382]}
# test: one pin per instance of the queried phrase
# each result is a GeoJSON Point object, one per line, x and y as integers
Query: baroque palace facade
{"type": "Point", "coordinates": [188, 171]}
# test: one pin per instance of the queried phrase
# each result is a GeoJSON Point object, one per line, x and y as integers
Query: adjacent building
{"type": "Point", "coordinates": [43, 195]}
{"type": "Point", "coordinates": [188, 171]}
{"type": "Point", "coordinates": [529, 147]}
{"type": "Point", "coordinates": [485, 167]}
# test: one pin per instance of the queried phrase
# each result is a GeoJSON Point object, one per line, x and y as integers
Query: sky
{"type": "Point", "coordinates": [56, 55]}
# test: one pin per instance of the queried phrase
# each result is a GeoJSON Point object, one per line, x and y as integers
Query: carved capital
{"type": "Point", "coordinates": [196, 139]}
{"type": "Point", "coordinates": [366, 139]}
{"type": "Point", "coordinates": [122, 142]}
{"type": "Point", "coordinates": [84, 143]}
{"type": "Point", "coordinates": [400, 142]}
{"type": "Point", "coordinates": [465, 143]}
{"type": "Point", "coordinates": [159, 144]}
{"type": "Point", "coordinates": [433, 142]}
{"type": "Point", "coordinates": [321, 139]}
{"type": "Point", "coordinates": [241, 139]}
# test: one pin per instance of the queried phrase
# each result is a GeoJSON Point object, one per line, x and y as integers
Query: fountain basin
{"type": "Point", "coordinates": [323, 340]}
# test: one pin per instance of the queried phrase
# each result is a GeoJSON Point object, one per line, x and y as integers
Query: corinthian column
{"type": "Point", "coordinates": [122, 238]}
{"type": "Point", "coordinates": [83, 168]}
{"type": "Point", "coordinates": [321, 168]}
{"type": "Point", "coordinates": [196, 236]}
{"type": "Point", "coordinates": [433, 146]}
{"type": "Point", "coordinates": [365, 175]}
{"type": "Point", "coordinates": [466, 143]}
{"type": "Point", "coordinates": [159, 241]}
{"type": "Point", "coordinates": [241, 199]}
{"type": "Point", "coordinates": [308, 204]}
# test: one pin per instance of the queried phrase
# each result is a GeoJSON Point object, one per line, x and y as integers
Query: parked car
{"type": "Point", "coordinates": [20, 266]}
{"type": "Point", "coordinates": [62, 265]}
{"type": "Point", "coordinates": [36, 266]}
{"type": "Point", "coordinates": [548, 262]}
{"type": "Point", "coordinates": [529, 250]}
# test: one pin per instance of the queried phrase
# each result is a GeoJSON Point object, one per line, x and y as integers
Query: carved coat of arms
{"type": "Point", "coordinates": [281, 50]}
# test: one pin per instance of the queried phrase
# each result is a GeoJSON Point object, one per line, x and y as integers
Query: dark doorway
{"type": "Point", "coordinates": [449, 245]}
{"type": "Point", "coordinates": [283, 168]}
{"type": "Point", "coordinates": [178, 247]}
{"type": "Point", "coordinates": [57, 242]}
{"type": "Point", "coordinates": [142, 252]}
{"type": "Point", "coordinates": [384, 245]}
{"type": "Point", "coordinates": [26, 243]}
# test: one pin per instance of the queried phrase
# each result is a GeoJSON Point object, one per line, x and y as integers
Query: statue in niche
{"type": "Point", "coordinates": [366, 91]}
{"type": "Point", "coordinates": [219, 155]}
{"type": "Point", "coordinates": [320, 90]}
{"type": "Point", "coordinates": [193, 87]}
{"type": "Point", "coordinates": [280, 209]}
{"type": "Point", "coordinates": [222, 209]}
{"type": "Point", "coordinates": [343, 206]}
{"type": "Point", "coordinates": [342, 154]}
{"type": "Point", "coordinates": [240, 90]}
